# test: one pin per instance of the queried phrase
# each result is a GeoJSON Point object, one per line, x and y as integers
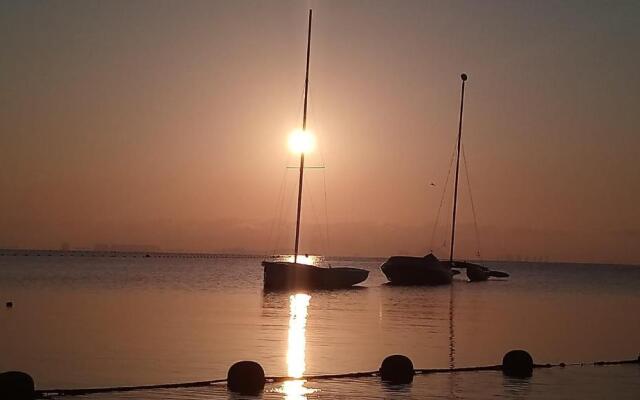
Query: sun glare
{"type": "Point", "coordinates": [301, 141]}
{"type": "Point", "coordinates": [304, 259]}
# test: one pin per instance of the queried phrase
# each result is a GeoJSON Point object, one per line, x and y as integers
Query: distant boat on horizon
{"type": "Point", "coordinates": [280, 274]}
{"type": "Point", "coordinates": [429, 270]}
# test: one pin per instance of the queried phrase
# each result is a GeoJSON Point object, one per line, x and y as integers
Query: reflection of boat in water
{"type": "Point", "coordinates": [296, 275]}
{"type": "Point", "coordinates": [428, 270]}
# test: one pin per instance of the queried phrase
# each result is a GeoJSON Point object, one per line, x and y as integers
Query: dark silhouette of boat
{"type": "Point", "coordinates": [428, 270]}
{"type": "Point", "coordinates": [288, 275]}
{"type": "Point", "coordinates": [478, 273]}
{"type": "Point", "coordinates": [295, 275]}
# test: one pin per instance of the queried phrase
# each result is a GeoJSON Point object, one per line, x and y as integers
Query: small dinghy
{"type": "Point", "coordinates": [478, 273]}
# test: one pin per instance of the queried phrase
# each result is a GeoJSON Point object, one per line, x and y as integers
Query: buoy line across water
{"type": "Point", "coordinates": [247, 377]}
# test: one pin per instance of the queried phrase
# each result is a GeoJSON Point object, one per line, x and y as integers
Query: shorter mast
{"type": "Point", "coordinates": [304, 128]}
{"type": "Point", "coordinates": [455, 190]}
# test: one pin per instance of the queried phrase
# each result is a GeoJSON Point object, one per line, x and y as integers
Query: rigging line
{"type": "Point", "coordinates": [284, 207]}
{"type": "Point", "coordinates": [278, 213]}
{"type": "Point", "coordinates": [317, 124]}
{"type": "Point", "coordinates": [324, 186]}
{"type": "Point", "coordinates": [326, 204]}
{"type": "Point", "coordinates": [313, 210]}
{"type": "Point", "coordinates": [473, 208]}
{"type": "Point", "coordinates": [444, 192]}
{"type": "Point", "coordinates": [292, 206]}
{"type": "Point", "coordinates": [326, 213]}
{"type": "Point", "coordinates": [288, 205]}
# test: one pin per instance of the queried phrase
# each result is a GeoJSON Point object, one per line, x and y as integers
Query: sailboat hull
{"type": "Point", "coordinates": [404, 270]}
{"type": "Point", "coordinates": [287, 275]}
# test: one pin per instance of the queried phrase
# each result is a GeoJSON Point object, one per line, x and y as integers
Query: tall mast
{"type": "Point", "coordinates": [304, 128]}
{"type": "Point", "coordinates": [455, 190]}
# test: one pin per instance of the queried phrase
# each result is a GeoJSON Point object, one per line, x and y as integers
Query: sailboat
{"type": "Point", "coordinates": [295, 275]}
{"type": "Point", "coordinates": [429, 270]}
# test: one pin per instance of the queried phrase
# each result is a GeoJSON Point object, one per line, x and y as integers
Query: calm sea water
{"type": "Point", "coordinates": [103, 321]}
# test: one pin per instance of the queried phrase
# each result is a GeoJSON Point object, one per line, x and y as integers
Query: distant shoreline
{"type": "Point", "coordinates": [206, 255]}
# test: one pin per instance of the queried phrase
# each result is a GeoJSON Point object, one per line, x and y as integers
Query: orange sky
{"type": "Point", "coordinates": [165, 123]}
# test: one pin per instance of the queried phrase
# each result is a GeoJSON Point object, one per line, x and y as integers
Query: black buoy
{"type": "Point", "coordinates": [246, 377]}
{"type": "Point", "coordinates": [9, 304]}
{"type": "Point", "coordinates": [16, 385]}
{"type": "Point", "coordinates": [397, 369]}
{"type": "Point", "coordinates": [517, 364]}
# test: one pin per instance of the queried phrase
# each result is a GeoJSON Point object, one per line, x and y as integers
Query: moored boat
{"type": "Point", "coordinates": [428, 270]}
{"type": "Point", "coordinates": [407, 270]}
{"type": "Point", "coordinates": [289, 275]}
{"type": "Point", "coordinates": [296, 275]}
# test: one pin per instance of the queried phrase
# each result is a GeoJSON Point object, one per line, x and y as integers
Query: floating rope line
{"type": "Point", "coordinates": [79, 392]}
{"type": "Point", "coordinates": [273, 379]}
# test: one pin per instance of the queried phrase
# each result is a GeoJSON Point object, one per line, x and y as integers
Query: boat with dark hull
{"type": "Point", "coordinates": [479, 273]}
{"type": "Point", "coordinates": [428, 270]}
{"type": "Point", "coordinates": [288, 275]}
{"type": "Point", "coordinates": [296, 275]}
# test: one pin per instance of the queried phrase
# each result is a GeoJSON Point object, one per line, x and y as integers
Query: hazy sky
{"type": "Point", "coordinates": [165, 123]}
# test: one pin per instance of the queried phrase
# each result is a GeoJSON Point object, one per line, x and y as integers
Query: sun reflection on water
{"type": "Point", "coordinates": [304, 259]}
{"type": "Point", "coordinates": [295, 389]}
{"type": "Point", "coordinates": [297, 324]}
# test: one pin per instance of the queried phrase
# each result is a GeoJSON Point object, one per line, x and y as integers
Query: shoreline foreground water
{"type": "Point", "coordinates": [112, 321]}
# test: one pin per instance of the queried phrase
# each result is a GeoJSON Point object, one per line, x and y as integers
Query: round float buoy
{"type": "Point", "coordinates": [397, 369]}
{"type": "Point", "coordinates": [16, 385]}
{"type": "Point", "coordinates": [517, 364]}
{"type": "Point", "coordinates": [463, 77]}
{"type": "Point", "coordinates": [9, 304]}
{"type": "Point", "coordinates": [246, 377]}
